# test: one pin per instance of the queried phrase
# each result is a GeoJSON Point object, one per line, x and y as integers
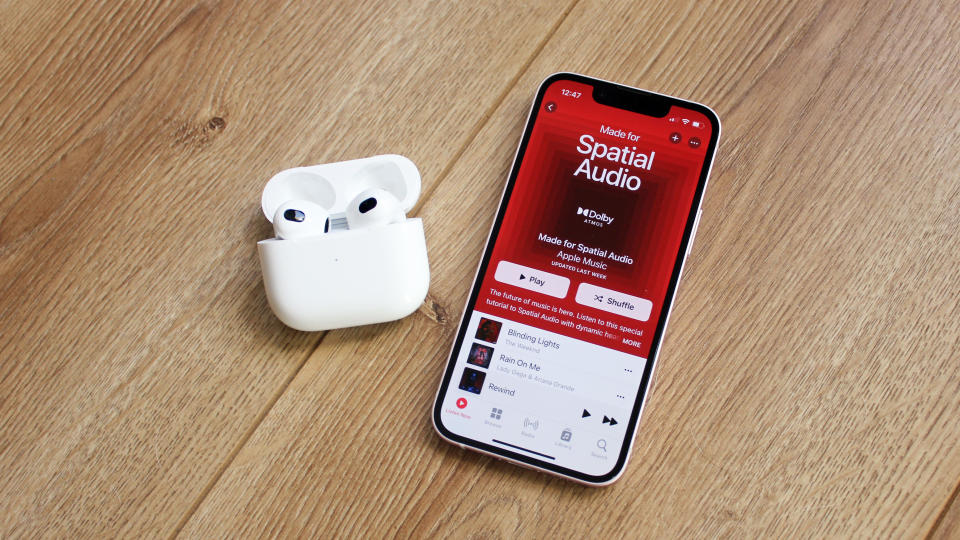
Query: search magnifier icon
{"type": "Point", "coordinates": [602, 444]}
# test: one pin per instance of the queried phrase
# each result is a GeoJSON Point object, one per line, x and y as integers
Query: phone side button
{"type": "Point", "coordinates": [693, 233]}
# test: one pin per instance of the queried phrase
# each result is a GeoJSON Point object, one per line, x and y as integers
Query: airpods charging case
{"type": "Point", "coordinates": [345, 277]}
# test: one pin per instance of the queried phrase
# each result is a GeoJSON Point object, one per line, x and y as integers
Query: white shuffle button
{"type": "Point", "coordinates": [614, 302]}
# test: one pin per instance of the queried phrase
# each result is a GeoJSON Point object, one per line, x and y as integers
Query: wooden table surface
{"type": "Point", "coordinates": [809, 384]}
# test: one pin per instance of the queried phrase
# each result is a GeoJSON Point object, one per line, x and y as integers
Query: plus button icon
{"type": "Point", "coordinates": [675, 138]}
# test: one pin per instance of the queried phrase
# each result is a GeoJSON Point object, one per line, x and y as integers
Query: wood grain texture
{"type": "Point", "coordinates": [137, 348]}
{"type": "Point", "coordinates": [808, 384]}
{"type": "Point", "coordinates": [948, 524]}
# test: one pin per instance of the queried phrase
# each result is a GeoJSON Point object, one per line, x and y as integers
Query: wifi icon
{"type": "Point", "coordinates": [685, 121]}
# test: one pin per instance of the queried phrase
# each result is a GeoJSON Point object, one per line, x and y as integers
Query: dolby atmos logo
{"type": "Point", "coordinates": [593, 217]}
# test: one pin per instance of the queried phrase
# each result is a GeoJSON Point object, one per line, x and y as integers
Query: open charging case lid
{"type": "Point", "coordinates": [334, 185]}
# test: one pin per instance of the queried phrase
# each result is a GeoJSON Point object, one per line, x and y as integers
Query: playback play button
{"type": "Point", "coordinates": [585, 414]}
{"type": "Point", "coordinates": [532, 279]}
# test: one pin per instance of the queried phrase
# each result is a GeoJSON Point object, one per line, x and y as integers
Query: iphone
{"type": "Point", "coordinates": [554, 354]}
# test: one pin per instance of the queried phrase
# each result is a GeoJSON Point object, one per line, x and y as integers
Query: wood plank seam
{"type": "Point", "coordinates": [243, 440]}
{"type": "Point", "coordinates": [731, 513]}
{"type": "Point", "coordinates": [942, 514]}
{"type": "Point", "coordinates": [436, 308]}
{"type": "Point", "coordinates": [70, 145]}
{"type": "Point", "coordinates": [487, 114]}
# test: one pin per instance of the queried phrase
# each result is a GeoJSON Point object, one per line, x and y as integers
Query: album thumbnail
{"type": "Point", "coordinates": [488, 330]}
{"type": "Point", "coordinates": [480, 355]}
{"type": "Point", "coordinates": [472, 380]}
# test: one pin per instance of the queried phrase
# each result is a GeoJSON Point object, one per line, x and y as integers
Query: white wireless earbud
{"type": "Point", "coordinates": [374, 207]}
{"type": "Point", "coordinates": [300, 219]}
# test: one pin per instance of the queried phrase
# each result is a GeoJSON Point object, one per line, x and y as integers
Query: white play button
{"type": "Point", "coordinates": [532, 279]}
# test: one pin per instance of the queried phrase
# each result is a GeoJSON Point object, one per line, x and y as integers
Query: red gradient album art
{"type": "Point", "coordinates": [590, 236]}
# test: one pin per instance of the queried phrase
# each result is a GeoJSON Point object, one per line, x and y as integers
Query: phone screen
{"type": "Point", "coordinates": [556, 347]}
